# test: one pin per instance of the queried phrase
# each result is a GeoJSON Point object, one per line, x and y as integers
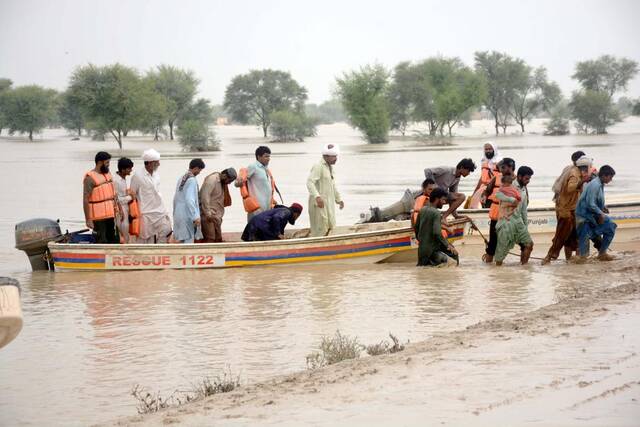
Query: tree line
{"type": "Point", "coordinates": [115, 100]}
{"type": "Point", "coordinates": [439, 93]}
{"type": "Point", "coordinates": [442, 92]}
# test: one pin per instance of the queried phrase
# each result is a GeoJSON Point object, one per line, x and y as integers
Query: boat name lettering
{"type": "Point", "coordinates": [136, 260]}
{"type": "Point", "coordinates": [197, 260]}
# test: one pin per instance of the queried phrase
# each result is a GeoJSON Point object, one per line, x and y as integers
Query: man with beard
{"type": "Point", "coordinates": [488, 168]}
{"type": "Point", "coordinates": [155, 225]}
{"type": "Point", "coordinates": [323, 193]}
{"type": "Point", "coordinates": [99, 200]}
{"type": "Point", "coordinates": [214, 197]}
{"type": "Point", "coordinates": [507, 167]}
{"type": "Point", "coordinates": [270, 225]}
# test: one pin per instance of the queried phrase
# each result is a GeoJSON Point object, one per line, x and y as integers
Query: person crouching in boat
{"type": "Point", "coordinates": [488, 168]}
{"type": "Point", "coordinates": [592, 221]}
{"type": "Point", "coordinates": [433, 248]}
{"type": "Point", "coordinates": [428, 185]}
{"type": "Point", "coordinates": [323, 193]}
{"type": "Point", "coordinates": [99, 200]}
{"type": "Point", "coordinates": [270, 225]}
{"type": "Point", "coordinates": [124, 197]}
{"type": "Point", "coordinates": [155, 225]}
{"type": "Point", "coordinates": [568, 192]}
{"type": "Point", "coordinates": [448, 179]}
{"type": "Point", "coordinates": [507, 167]}
{"type": "Point", "coordinates": [512, 223]}
{"type": "Point", "coordinates": [186, 208]}
{"type": "Point", "coordinates": [214, 197]}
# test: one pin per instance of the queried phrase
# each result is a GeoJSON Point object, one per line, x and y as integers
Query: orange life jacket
{"type": "Point", "coordinates": [487, 173]}
{"type": "Point", "coordinates": [494, 209]}
{"type": "Point", "coordinates": [102, 204]}
{"type": "Point", "coordinates": [134, 218]}
{"type": "Point", "coordinates": [249, 202]}
{"type": "Point", "coordinates": [420, 202]}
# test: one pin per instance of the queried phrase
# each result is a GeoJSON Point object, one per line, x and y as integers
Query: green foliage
{"type": "Point", "coordinates": [178, 87]}
{"type": "Point", "coordinates": [5, 86]}
{"type": "Point", "coordinates": [69, 113]}
{"type": "Point", "coordinates": [636, 108]}
{"type": "Point", "coordinates": [328, 112]}
{"type": "Point", "coordinates": [624, 106]}
{"type": "Point", "coordinates": [201, 111]}
{"type": "Point", "coordinates": [535, 94]}
{"type": "Point", "coordinates": [255, 96]}
{"type": "Point", "coordinates": [400, 96]}
{"type": "Point", "coordinates": [363, 95]}
{"type": "Point", "coordinates": [28, 109]}
{"type": "Point", "coordinates": [606, 74]}
{"type": "Point", "coordinates": [558, 123]}
{"type": "Point", "coordinates": [195, 135]}
{"type": "Point", "coordinates": [289, 126]}
{"type": "Point", "coordinates": [593, 111]}
{"type": "Point", "coordinates": [112, 98]}
{"type": "Point", "coordinates": [504, 76]}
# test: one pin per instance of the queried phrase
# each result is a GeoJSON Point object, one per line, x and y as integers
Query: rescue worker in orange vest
{"type": "Point", "coordinates": [427, 187]}
{"type": "Point", "coordinates": [257, 185]}
{"type": "Point", "coordinates": [507, 167]}
{"type": "Point", "coordinates": [488, 168]}
{"type": "Point", "coordinates": [99, 200]}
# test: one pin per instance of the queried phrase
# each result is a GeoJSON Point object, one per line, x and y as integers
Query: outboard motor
{"type": "Point", "coordinates": [32, 237]}
{"type": "Point", "coordinates": [399, 210]}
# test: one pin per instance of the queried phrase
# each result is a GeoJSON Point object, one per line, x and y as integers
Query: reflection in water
{"type": "Point", "coordinates": [89, 337]}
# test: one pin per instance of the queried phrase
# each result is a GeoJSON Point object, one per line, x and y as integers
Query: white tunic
{"type": "Point", "coordinates": [124, 198]}
{"type": "Point", "coordinates": [155, 216]}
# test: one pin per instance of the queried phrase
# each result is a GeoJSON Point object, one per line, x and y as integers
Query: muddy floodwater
{"type": "Point", "coordinates": [88, 338]}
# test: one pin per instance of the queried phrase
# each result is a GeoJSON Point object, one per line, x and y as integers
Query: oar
{"type": "Point", "coordinates": [279, 194]}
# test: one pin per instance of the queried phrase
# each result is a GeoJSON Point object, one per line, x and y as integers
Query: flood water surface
{"type": "Point", "coordinates": [88, 338]}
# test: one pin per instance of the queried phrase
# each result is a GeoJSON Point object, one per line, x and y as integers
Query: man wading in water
{"type": "Point", "coordinates": [433, 249]}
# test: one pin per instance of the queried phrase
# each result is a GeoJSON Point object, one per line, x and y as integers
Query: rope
{"type": "Point", "coordinates": [486, 242]}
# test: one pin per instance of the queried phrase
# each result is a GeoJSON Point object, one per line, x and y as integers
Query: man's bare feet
{"type": "Point", "coordinates": [606, 257]}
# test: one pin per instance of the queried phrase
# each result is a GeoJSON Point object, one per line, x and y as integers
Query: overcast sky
{"type": "Point", "coordinates": [42, 41]}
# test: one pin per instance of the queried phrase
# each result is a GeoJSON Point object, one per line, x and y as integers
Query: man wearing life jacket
{"type": "Point", "coordinates": [155, 224]}
{"type": "Point", "coordinates": [99, 200]}
{"type": "Point", "coordinates": [428, 185]}
{"type": "Point", "coordinates": [214, 197]}
{"type": "Point", "coordinates": [448, 179]}
{"type": "Point", "coordinates": [434, 249]}
{"type": "Point", "coordinates": [257, 185]}
{"type": "Point", "coordinates": [124, 197]}
{"type": "Point", "coordinates": [507, 167]}
{"type": "Point", "coordinates": [488, 168]}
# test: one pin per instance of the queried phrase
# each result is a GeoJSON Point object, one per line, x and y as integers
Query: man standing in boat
{"type": "Point", "coordinates": [214, 197]}
{"type": "Point", "coordinates": [257, 185]}
{"type": "Point", "coordinates": [99, 200]}
{"type": "Point", "coordinates": [567, 191]}
{"type": "Point", "coordinates": [323, 193]}
{"type": "Point", "coordinates": [125, 196]}
{"type": "Point", "coordinates": [155, 224]}
{"type": "Point", "coordinates": [448, 179]}
{"type": "Point", "coordinates": [592, 221]}
{"type": "Point", "coordinates": [433, 249]}
{"type": "Point", "coordinates": [186, 208]}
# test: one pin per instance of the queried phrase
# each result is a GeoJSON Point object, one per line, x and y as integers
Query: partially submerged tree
{"type": "Point", "coordinates": [178, 87]}
{"type": "Point", "coordinates": [112, 98]}
{"type": "Point", "coordinates": [5, 86]}
{"type": "Point", "coordinates": [535, 94]}
{"type": "Point", "coordinates": [287, 126]}
{"type": "Point", "coordinates": [253, 97]}
{"type": "Point", "coordinates": [29, 109]}
{"type": "Point", "coordinates": [558, 123]}
{"type": "Point", "coordinates": [503, 74]}
{"type": "Point", "coordinates": [195, 135]}
{"type": "Point", "coordinates": [364, 96]}
{"type": "Point", "coordinates": [70, 114]}
{"type": "Point", "coordinates": [600, 79]}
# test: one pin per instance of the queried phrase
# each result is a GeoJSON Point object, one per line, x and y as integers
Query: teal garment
{"type": "Point", "coordinates": [186, 209]}
{"type": "Point", "coordinates": [428, 231]}
{"type": "Point", "coordinates": [513, 229]}
{"type": "Point", "coordinates": [259, 185]}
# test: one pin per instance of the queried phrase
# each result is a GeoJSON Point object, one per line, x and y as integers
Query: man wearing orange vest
{"type": "Point", "coordinates": [507, 167]}
{"type": "Point", "coordinates": [257, 185]}
{"type": "Point", "coordinates": [428, 185]}
{"type": "Point", "coordinates": [99, 200]}
{"type": "Point", "coordinates": [488, 168]}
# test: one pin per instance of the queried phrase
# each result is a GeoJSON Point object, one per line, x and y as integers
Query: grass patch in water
{"type": "Point", "coordinates": [333, 350]}
{"type": "Point", "coordinates": [384, 347]}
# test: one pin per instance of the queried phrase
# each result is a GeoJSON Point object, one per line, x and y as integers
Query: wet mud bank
{"type": "Point", "coordinates": [575, 362]}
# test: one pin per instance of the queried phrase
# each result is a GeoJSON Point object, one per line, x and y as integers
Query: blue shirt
{"type": "Point", "coordinates": [591, 202]}
{"type": "Point", "coordinates": [259, 185]}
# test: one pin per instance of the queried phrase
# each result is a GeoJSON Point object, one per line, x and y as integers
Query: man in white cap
{"type": "Point", "coordinates": [568, 193]}
{"type": "Point", "coordinates": [323, 193]}
{"type": "Point", "coordinates": [155, 224]}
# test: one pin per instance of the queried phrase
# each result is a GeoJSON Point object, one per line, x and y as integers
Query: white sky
{"type": "Point", "coordinates": [42, 41]}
